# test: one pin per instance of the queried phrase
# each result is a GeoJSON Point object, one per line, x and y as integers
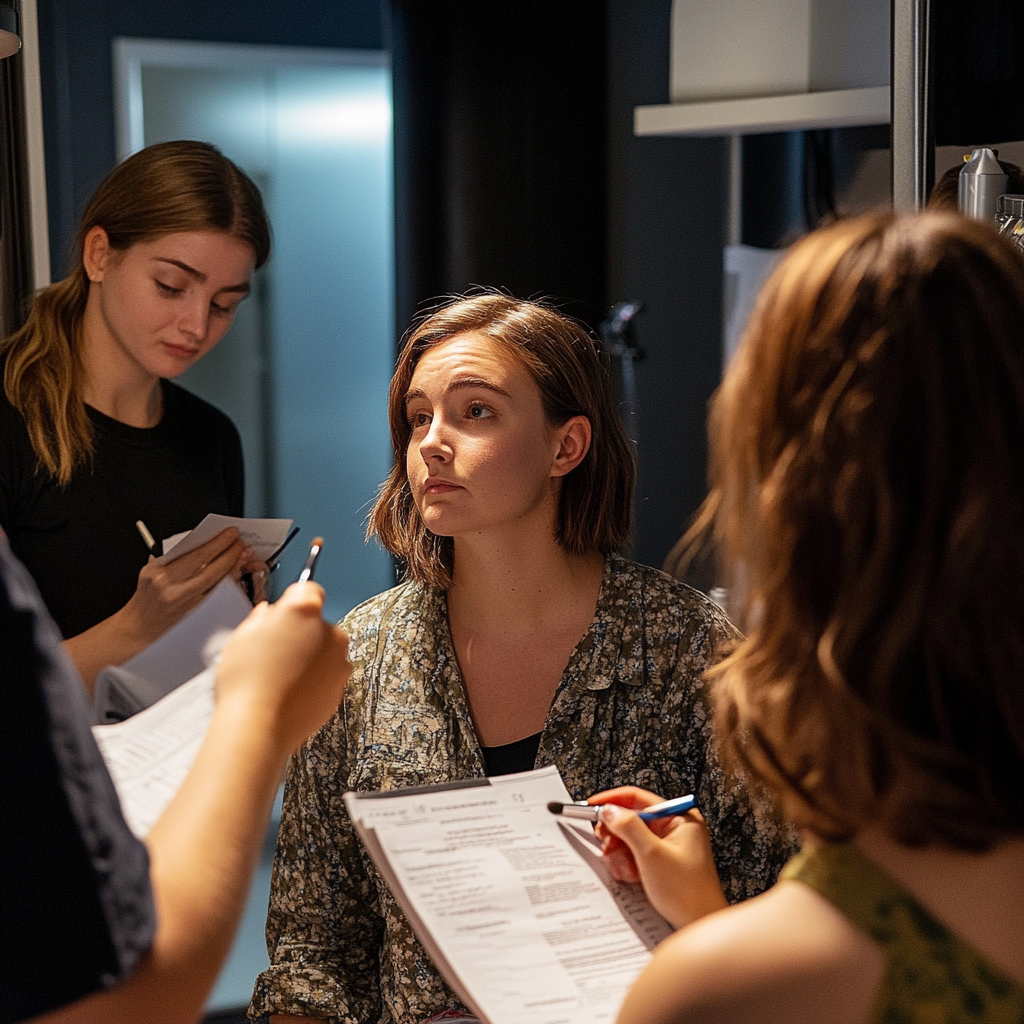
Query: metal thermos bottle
{"type": "Point", "coordinates": [981, 182]}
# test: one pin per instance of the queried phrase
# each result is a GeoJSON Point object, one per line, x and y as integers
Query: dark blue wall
{"type": "Point", "coordinates": [77, 79]}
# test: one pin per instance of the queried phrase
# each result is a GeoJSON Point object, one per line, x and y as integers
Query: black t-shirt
{"type": "Point", "coordinates": [80, 542]}
{"type": "Point", "coordinates": [509, 758]}
{"type": "Point", "coordinates": [76, 909]}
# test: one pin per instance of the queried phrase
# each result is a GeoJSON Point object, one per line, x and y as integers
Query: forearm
{"type": "Point", "coordinates": [203, 852]}
{"type": "Point", "coordinates": [110, 642]}
{"type": "Point", "coordinates": [280, 676]}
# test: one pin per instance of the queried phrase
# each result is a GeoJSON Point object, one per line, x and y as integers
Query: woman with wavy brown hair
{"type": "Point", "coordinates": [94, 434]}
{"type": "Point", "coordinates": [519, 639]}
{"type": "Point", "coordinates": [868, 493]}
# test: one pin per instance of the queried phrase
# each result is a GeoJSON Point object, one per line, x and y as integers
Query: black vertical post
{"type": "Point", "coordinates": [978, 71]}
{"type": "Point", "coordinates": [16, 275]}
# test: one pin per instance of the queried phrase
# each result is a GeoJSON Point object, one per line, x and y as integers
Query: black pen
{"type": "Point", "coordinates": [272, 564]}
{"type": "Point", "coordinates": [274, 559]}
{"type": "Point", "coordinates": [307, 569]}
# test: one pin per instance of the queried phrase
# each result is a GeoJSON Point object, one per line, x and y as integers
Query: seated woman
{"type": "Point", "coordinates": [519, 639]}
{"type": "Point", "coordinates": [869, 481]}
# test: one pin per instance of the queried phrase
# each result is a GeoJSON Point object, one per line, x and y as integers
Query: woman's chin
{"type": "Point", "coordinates": [438, 531]}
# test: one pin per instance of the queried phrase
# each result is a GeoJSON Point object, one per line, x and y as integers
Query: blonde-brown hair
{"type": "Point", "coordinates": [163, 189]}
{"type": "Point", "coordinates": [596, 501]}
{"type": "Point", "coordinates": [868, 484]}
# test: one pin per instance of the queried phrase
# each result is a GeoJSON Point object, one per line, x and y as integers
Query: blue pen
{"type": "Point", "coordinates": [591, 812]}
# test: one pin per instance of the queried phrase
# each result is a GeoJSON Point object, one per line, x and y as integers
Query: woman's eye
{"type": "Point", "coordinates": [418, 419]}
{"type": "Point", "coordinates": [222, 310]}
{"type": "Point", "coordinates": [167, 289]}
{"type": "Point", "coordinates": [479, 412]}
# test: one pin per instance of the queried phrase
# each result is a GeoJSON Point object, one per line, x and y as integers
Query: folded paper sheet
{"type": "Point", "coordinates": [264, 536]}
{"type": "Point", "coordinates": [187, 648]}
{"type": "Point", "coordinates": [165, 696]}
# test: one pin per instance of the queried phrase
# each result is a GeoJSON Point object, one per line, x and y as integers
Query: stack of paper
{"type": "Point", "coordinates": [149, 754]}
{"type": "Point", "coordinates": [514, 904]}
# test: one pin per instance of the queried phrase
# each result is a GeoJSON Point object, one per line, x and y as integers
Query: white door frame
{"type": "Point", "coordinates": [131, 55]}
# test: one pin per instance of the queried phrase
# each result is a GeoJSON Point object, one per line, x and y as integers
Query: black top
{"type": "Point", "coordinates": [80, 542]}
{"type": "Point", "coordinates": [509, 758]}
{"type": "Point", "coordinates": [76, 910]}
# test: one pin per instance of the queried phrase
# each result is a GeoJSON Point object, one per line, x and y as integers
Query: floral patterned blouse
{"type": "Point", "coordinates": [631, 707]}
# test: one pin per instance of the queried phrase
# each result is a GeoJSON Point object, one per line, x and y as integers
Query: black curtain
{"type": "Point", "coordinates": [978, 71]}
{"type": "Point", "coordinates": [500, 150]}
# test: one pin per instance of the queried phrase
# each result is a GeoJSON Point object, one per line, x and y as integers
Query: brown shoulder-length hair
{"type": "Point", "coordinates": [161, 190]}
{"type": "Point", "coordinates": [596, 502]}
{"type": "Point", "coordinates": [868, 487]}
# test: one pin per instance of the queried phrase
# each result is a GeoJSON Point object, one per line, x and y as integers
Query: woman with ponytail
{"type": "Point", "coordinates": [93, 434]}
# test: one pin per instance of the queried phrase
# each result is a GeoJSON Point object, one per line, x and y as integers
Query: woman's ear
{"type": "Point", "coordinates": [96, 252]}
{"type": "Point", "coordinates": [573, 445]}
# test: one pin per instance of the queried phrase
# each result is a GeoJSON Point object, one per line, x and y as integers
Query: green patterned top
{"type": "Point", "coordinates": [932, 976]}
{"type": "Point", "coordinates": [631, 707]}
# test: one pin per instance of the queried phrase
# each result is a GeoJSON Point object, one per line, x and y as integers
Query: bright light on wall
{"type": "Point", "coordinates": [364, 118]}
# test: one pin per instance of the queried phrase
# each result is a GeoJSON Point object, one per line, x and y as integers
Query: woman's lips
{"type": "Point", "coordinates": [180, 351]}
{"type": "Point", "coordinates": [439, 487]}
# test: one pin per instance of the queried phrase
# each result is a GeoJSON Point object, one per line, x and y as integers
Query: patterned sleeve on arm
{"type": "Point", "coordinates": [750, 843]}
{"type": "Point", "coordinates": [749, 840]}
{"type": "Point", "coordinates": [323, 926]}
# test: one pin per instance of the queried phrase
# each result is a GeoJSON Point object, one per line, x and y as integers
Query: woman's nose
{"type": "Point", "coordinates": [436, 442]}
{"type": "Point", "coordinates": [195, 320]}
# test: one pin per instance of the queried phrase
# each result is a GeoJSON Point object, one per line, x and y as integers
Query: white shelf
{"type": "Point", "coordinates": [844, 108]}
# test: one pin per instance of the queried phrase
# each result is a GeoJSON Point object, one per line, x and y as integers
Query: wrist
{"type": "Point", "coordinates": [133, 626]}
{"type": "Point", "coordinates": [700, 900]}
{"type": "Point", "coordinates": [246, 712]}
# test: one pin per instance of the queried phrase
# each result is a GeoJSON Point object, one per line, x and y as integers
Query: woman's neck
{"type": "Point", "coordinates": [513, 582]}
{"type": "Point", "coordinates": [131, 405]}
{"type": "Point", "coordinates": [516, 614]}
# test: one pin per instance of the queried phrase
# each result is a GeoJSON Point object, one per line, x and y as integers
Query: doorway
{"type": "Point", "coordinates": [304, 370]}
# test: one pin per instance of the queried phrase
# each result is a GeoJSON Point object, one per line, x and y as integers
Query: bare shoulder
{"type": "Point", "coordinates": [785, 956]}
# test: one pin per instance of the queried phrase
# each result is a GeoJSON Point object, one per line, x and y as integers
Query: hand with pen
{"type": "Point", "coordinates": [670, 857]}
{"type": "Point", "coordinates": [166, 592]}
{"type": "Point", "coordinates": [163, 596]}
{"type": "Point", "coordinates": [251, 574]}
